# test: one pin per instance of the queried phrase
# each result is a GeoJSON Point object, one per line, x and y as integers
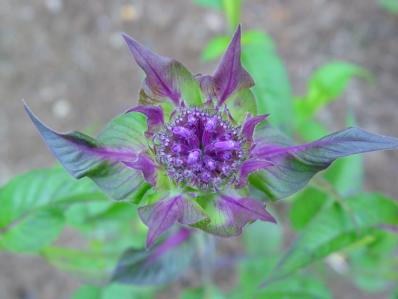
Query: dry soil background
{"type": "Point", "coordinates": [67, 59]}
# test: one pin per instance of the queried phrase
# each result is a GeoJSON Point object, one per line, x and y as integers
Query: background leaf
{"type": "Point", "coordinates": [335, 228]}
{"type": "Point", "coordinates": [35, 231]}
{"type": "Point", "coordinates": [325, 85]}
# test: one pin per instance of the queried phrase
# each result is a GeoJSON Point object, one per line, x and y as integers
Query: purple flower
{"type": "Point", "coordinates": [193, 148]}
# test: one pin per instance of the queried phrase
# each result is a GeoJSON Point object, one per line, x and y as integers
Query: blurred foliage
{"type": "Point", "coordinates": [390, 5]}
{"type": "Point", "coordinates": [333, 216]}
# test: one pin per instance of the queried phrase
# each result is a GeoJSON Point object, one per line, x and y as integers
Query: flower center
{"type": "Point", "coordinates": [201, 149]}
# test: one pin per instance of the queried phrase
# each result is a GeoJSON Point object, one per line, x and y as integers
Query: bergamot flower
{"type": "Point", "coordinates": [194, 149]}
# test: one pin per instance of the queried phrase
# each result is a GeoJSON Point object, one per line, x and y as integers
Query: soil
{"type": "Point", "coordinates": [68, 61]}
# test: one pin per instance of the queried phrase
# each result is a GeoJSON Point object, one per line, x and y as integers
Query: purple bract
{"type": "Point", "coordinates": [194, 148]}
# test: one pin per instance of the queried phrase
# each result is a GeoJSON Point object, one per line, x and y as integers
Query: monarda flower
{"type": "Point", "coordinates": [194, 149]}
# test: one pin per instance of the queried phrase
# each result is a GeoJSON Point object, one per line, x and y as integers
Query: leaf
{"type": "Point", "coordinates": [296, 288]}
{"type": "Point", "coordinates": [326, 85]}
{"type": "Point", "coordinates": [228, 215]}
{"type": "Point", "coordinates": [165, 77]}
{"type": "Point", "coordinates": [232, 10]}
{"type": "Point", "coordinates": [373, 266]}
{"type": "Point", "coordinates": [87, 292]}
{"type": "Point", "coordinates": [252, 270]}
{"type": "Point", "coordinates": [41, 189]}
{"type": "Point", "coordinates": [242, 101]}
{"type": "Point", "coordinates": [215, 4]}
{"type": "Point", "coordinates": [92, 264]}
{"type": "Point", "coordinates": [262, 239]}
{"type": "Point", "coordinates": [115, 161]}
{"type": "Point", "coordinates": [272, 87]}
{"type": "Point", "coordinates": [215, 48]}
{"type": "Point", "coordinates": [293, 166]}
{"type": "Point", "coordinates": [347, 174]}
{"type": "Point", "coordinates": [336, 228]}
{"type": "Point", "coordinates": [208, 292]}
{"type": "Point", "coordinates": [35, 231]}
{"type": "Point", "coordinates": [230, 76]}
{"type": "Point", "coordinates": [159, 265]}
{"type": "Point", "coordinates": [111, 292]}
{"type": "Point", "coordinates": [390, 5]}
{"type": "Point", "coordinates": [162, 215]}
{"type": "Point", "coordinates": [306, 206]}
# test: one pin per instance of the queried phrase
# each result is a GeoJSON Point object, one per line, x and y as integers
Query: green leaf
{"type": "Point", "coordinates": [262, 238]}
{"type": "Point", "coordinates": [88, 264]}
{"type": "Point", "coordinates": [215, 48]}
{"type": "Point", "coordinates": [35, 231]}
{"type": "Point", "coordinates": [243, 100]}
{"type": "Point", "coordinates": [272, 89]}
{"type": "Point", "coordinates": [337, 227]}
{"type": "Point", "coordinates": [306, 206]}
{"type": "Point", "coordinates": [232, 10]}
{"type": "Point", "coordinates": [325, 85]}
{"type": "Point", "coordinates": [42, 188]}
{"type": "Point", "coordinates": [215, 4]}
{"type": "Point", "coordinates": [390, 5]}
{"type": "Point", "coordinates": [208, 292]}
{"type": "Point", "coordinates": [189, 87]}
{"type": "Point", "coordinates": [295, 288]}
{"type": "Point", "coordinates": [87, 292]}
{"type": "Point", "coordinates": [111, 292]}
{"type": "Point", "coordinates": [32, 207]}
{"type": "Point", "coordinates": [374, 265]}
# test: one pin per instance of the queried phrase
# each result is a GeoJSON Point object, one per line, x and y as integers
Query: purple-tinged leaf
{"type": "Point", "coordinates": [154, 116]}
{"type": "Point", "coordinates": [249, 166]}
{"type": "Point", "coordinates": [250, 124]}
{"type": "Point", "coordinates": [165, 77]}
{"type": "Point", "coordinates": [146, 165]}
{"type": "Point", "coordinates": [161, 216]}
{"type": "Point", "coordinates": [230, 76]}
{"type": "Point", "coordinates": [228, 215]}
{"type": "Point", "coordinates": [160, 264]}
{"type": "Point", "coordinates": [104, 160]}
{"type": "Point", "coordinates": [294, 166]}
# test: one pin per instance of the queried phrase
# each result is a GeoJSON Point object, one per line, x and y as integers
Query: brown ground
{"type": "Point", "coordinates": [67, 60]}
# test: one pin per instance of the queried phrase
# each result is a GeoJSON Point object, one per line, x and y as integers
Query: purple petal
{"type": "Point", "coordinates": [232, 214]}
{"type": "Point", "coordinates": [250, 124]}
{"type": "Point", "coordinates": [249, 166]}
{"type": "Point", "coordinates": [155, 67]}
{"type": "Point", "coordinates": [294, 166]}
{"type": "Point", "coordinates": [230, 76]}
{"type": "Point", "coordinates": [159, 217]}
{"type": "Point", "coordinates": [154, 116]}
{"type": "Point", "coordinates": [83, 156]}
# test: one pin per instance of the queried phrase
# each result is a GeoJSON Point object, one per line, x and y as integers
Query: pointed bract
{"type": "Point", "coordinates": [230, 76]}
{"type": "Point", "coordinates": [250, 124]}
{"type": "Point", "coordinates": [161, 216]}
{"type": "Point", "coordinates": [228, 214]}
{"type": "Point", "coordinates": [165, 77]}
{"type": "Point", "coordinates": [293, 166]}
{"type": "Point", "coordinates": [154, 116]}
{"type": "Point", "coordinates": [83, 156]}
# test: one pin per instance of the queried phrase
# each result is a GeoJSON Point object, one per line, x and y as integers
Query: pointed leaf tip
{"type": "Point", "coordinates": [230, 76]}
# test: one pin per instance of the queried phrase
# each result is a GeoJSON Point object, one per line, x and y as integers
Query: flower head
{"type": "Point", "coordinates": [194, 147]}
